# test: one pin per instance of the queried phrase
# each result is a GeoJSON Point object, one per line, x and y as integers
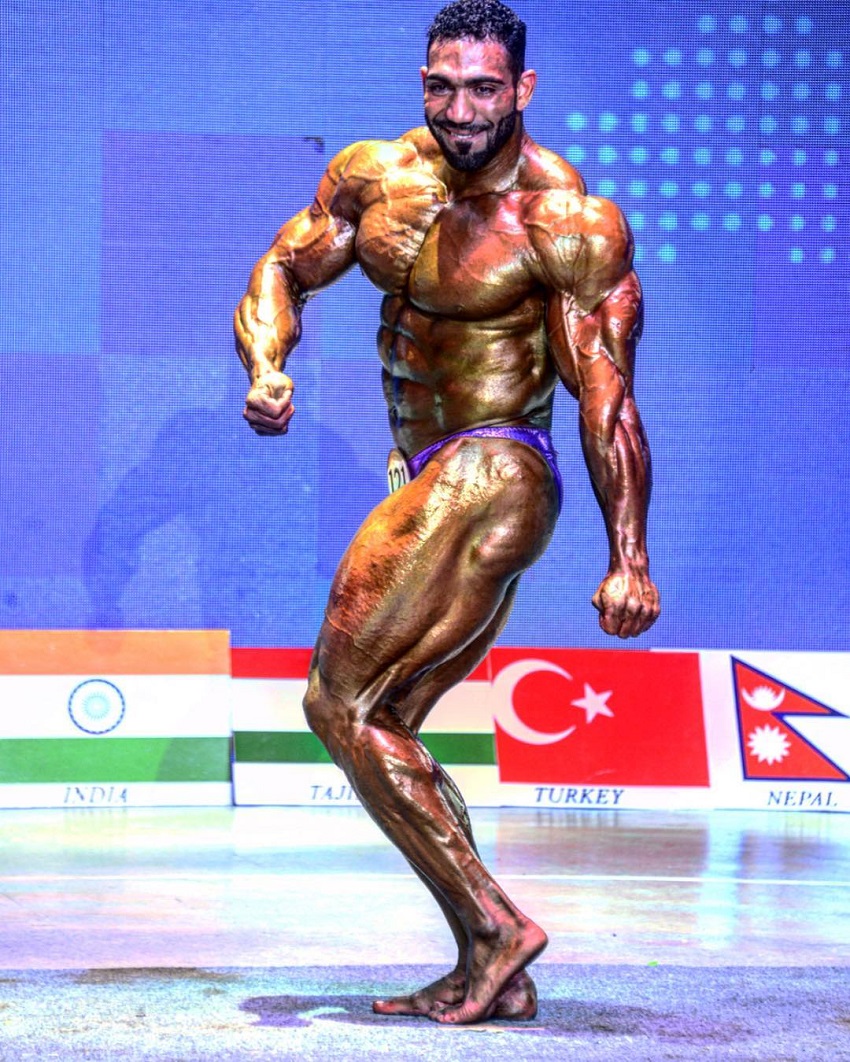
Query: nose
{"type": "Point", "coordinates": [460, 109]}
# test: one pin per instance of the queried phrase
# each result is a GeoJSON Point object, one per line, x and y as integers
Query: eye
{"type": "Point", "coordinates": [485, 90]}
{"type": "Point", "coordinates": [436, 88]}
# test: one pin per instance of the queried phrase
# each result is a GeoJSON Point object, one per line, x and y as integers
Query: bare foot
{"type": "Point", "coordinates": [516, 1002]}
{"type": "Point", "coordinates": [447, 990]}
{"type": "Point", "coordinates": [496, 960]}
{"type": "Point", "coordinates": [518, 999]}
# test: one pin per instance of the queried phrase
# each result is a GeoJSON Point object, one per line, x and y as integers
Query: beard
{"type": "Point", "coordinates": [464, 158]}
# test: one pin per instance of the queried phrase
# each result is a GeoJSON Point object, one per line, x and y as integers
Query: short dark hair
{"type": "Point", "coordinates": [482, 20]}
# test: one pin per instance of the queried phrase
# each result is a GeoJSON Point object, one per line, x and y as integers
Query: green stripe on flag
{"type": "Point", "coordinates": [278, 746]}
{"type": "Point", "coordinates": [261, 746]}
{"type": "Point", "coordinates": [195, 759]}
{"type": "Point", "coordinates": [461, 748]}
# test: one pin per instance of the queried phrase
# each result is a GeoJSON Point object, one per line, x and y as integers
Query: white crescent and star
{"type": "Point", "coordinates": [505, 683]}
{"type": "Point", "coordinates": [594, 703]}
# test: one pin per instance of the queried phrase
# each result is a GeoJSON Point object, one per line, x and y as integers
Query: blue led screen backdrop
{"type": "Point", "coordinates": [152, 150]}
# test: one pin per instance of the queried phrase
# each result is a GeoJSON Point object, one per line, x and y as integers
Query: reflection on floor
{"type": "Point", "coordinates": [278, 887]}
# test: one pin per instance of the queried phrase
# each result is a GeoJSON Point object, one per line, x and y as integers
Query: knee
{"type": "Point", "coordinates": [333, 717]}
{"type": "Point", "coordinates": [316, 709]}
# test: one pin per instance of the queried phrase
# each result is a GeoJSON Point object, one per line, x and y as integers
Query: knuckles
{"type": "Point", "coordinates": [261, 402]}
{"type": "Point", "coordinates": [265, 422]}
{"type": "Point", "coordinates": [626, 611]}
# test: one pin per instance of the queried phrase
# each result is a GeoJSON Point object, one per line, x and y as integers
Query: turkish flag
{"type": "Point", "coordinates": [599, 717]}
{"type": "Point", "coordinates": [770, 745]}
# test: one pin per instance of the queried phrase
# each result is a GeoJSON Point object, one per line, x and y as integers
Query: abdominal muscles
{"type": "Point", "coordinates": [442, 376]}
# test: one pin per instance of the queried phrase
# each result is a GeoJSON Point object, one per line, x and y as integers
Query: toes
{"type": "Point", "coordinates": [405, 1006]}
{"type": "Point", "coordinates": [462, 1015]}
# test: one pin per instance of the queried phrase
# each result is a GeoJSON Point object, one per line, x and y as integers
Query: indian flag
{"type": "Point", "coordinates": [114, 718]}
{"type": "Point", "coordinates": [277, 760]}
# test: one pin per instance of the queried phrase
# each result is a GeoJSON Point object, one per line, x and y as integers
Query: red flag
{"type": "Point", "coordinates": [599, 717]}
{"type": "Point", "coordinates": [771, 747]}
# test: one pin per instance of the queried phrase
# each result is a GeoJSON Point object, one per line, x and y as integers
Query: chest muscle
{"type": "Point", "coordinates": [464, 259]}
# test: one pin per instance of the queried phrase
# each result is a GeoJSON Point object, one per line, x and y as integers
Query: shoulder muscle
{"type": "Point", "coordinates": [357, 174]}
{"type": "Point", "coordinates": [543, 169]}
{"type": "Point", "coordinates": [582, 244]}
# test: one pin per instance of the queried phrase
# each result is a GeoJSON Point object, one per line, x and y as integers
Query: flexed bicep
{"type": "Point", "coordinates": [309, 252]}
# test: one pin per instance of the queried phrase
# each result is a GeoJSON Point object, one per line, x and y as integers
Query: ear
{"type": "Point", "coordinates": [423, 70]}
{"type": "Point", "coordinates": [525, 89]}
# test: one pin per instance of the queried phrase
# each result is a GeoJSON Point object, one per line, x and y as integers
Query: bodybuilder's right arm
{"type": "Point", "coordinates": [308, 253]}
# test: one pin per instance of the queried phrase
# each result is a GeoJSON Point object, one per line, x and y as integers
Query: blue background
{"type": "Point", "coordinates": [152, 150]}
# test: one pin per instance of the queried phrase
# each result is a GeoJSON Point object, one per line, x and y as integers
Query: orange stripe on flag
{"type": "Point", "coordinates": [114, 652]}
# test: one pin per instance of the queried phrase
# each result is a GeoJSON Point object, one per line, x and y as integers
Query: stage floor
{"type": "Point", "coordinates": [187, 899]}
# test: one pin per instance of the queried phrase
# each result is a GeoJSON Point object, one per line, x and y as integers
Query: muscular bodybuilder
{"type": "Point", "coordinates": [502, 277]}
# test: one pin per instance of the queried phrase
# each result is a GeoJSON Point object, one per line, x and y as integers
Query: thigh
{"type": "Point", "coordinates": [428, 571]}
{"type": "Point", "coordinates": [413, 704]}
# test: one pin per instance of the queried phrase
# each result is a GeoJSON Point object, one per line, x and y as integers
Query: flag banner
{"type": "Point", "coordinates": [277, 760]}
{"type": "Point", "coordinates": [598, 717]}
{"type": "Point", "coordinates": [114, 718]}
{"type": "Point", "coordinates": [779, 729]}
{"type": "Point", "coordinates": [773, 721]}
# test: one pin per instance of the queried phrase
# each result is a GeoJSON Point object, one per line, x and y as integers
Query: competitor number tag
{"type": "Point", "coordinates": [398, 474]}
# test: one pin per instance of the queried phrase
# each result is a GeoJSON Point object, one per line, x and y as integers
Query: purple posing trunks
{"type": "Point", "coordinates": [538, 438]}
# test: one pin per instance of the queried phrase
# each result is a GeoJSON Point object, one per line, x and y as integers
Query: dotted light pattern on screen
{"type": "Point", "coordinates": [741, 132]}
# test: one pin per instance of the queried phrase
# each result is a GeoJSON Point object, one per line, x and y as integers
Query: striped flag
{"type": "Point", "coordinates": [114, 718]}
{"type": "Point", "coordinates": [277, 760]}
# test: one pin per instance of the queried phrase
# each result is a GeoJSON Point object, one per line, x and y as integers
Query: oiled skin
{"type": "Point", "coordinates": [490, 298]}
{"type": "Point", "coordinates": [497, 284]}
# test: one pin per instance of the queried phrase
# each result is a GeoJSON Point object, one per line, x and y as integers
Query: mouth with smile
{"type": "Point", "coordinates": [471, 145]}
{"type": "Point", "coordinates": [461, 135]}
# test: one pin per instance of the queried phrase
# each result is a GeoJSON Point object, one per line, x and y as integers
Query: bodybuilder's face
{"type": "Point", "coordinates": [471, 99]}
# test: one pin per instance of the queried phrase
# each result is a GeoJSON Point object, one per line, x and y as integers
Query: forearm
{"type": "Point", "coordinates": [267, 322]}
{"type": "Point", "coordinates": [618, 459]}
{"type": "Point", "coordinates": [310, 251]}
{"type": "Point", "coordinates": [594, 353]}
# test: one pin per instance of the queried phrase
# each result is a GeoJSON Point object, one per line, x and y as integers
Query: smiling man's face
{"type": "Point", "coordinates": [472, 100]}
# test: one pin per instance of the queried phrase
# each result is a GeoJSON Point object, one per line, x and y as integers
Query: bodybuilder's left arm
{"type": "Point", "coordinates": [593, 331]}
